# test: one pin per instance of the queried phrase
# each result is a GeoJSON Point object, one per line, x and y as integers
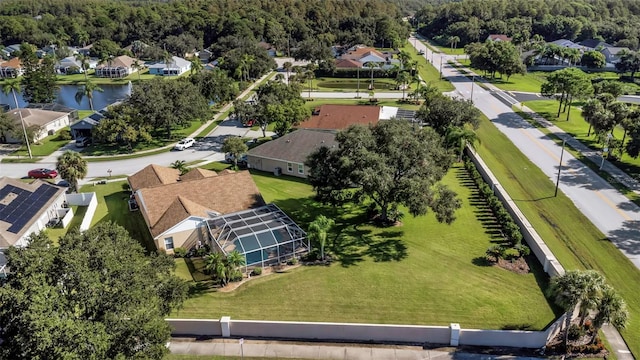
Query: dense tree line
{"type": "Point", "coordinates": [200, 23]}
{"type": "Point", "coordinates": [94, 295]}
{"type": "Point", "coordinates": [615, 21]}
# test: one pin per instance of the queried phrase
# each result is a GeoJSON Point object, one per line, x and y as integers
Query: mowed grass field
{"type": "Point", "coordinates": [422, 272]}
{"type": "Point", "coordinates": [574, 240]}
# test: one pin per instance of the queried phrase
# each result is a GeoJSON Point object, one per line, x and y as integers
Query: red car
{"type": "Point", "coordinates": [42, 174]}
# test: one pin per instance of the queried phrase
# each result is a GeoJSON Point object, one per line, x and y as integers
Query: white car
{"type": "Point", "coordinates": [184, 144]}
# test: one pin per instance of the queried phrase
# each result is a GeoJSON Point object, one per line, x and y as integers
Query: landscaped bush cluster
{"type": "Point", "coordinates": [179, 252]}
{"type": "Point", "coordinates": [509, 228]}
{"type": "Point", "coordinates": [256, 271]}
{"type": "Point", "coordinates": [64, 134]}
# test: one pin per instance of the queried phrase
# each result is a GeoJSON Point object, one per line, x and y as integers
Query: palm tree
{"type": "Point", "coordinates": [569, 289]}
{"type": "Point", "coordinates": [234, 261]}
{"type": "Point", "coordinates": [13, 86]}
{"type": "Point", "coordinates": [318, 231]}
{"type": "Point", "coordinates": [138, 66]}
{"type": "Point", "coordinates": [287, 67]}
{"type": "Point", "coordinates": [87, 90]}
{"type": "Point", "coordinates": [210, 261]}
{"type": "Point", "coordinates": [453, 41]}
{"type": "Point", "coordinates": [611, 309]}
{"type": "Point", "coordinates": [247, 60]}
{"type": "Point", "coordinates": [459, 137]}
{"type": "Point", "coordinates": [404, 58]}
{"type": "Point", "coordinates": [371, 65]}
{"type": "Point", "coordinates": [310, 75]}
{"type": "Point", "coordinates": [196, 64]}
{"type": "Point", "coordinates": [72, 167]}
{"type": "Point", "coordinates": [279, 77]}
{"type": "Point", "coordinates": [84, 64]}
{"type": "Point", "coordinates": [181, 166]}
{"type": "Point", "coordinates": [402, 79]}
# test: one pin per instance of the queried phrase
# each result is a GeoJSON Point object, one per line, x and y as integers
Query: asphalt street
{"type": "Point", "coordinates": [611, 212]}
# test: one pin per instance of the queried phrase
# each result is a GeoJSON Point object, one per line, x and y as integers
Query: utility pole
{"type": "Point", "coordinates": [605, 149]}
{"type": "Point", "coordinates": [440, 67]}
{"type": "Point", "coordinates": [358, 90]}
{"type": "Point", "coordinates": [473, 83]}
{"type": "Point", "coordinates": [559, 169]}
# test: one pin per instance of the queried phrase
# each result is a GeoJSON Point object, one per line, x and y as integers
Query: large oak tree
{"type": "Point", "coordinates": [95, 296]}
{"type": "Point", "coordinates": [392, 164]}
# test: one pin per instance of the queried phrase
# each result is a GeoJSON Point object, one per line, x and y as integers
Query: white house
{"type": "Point", "coordinates": [27, 208]}
{"type": "Point", "coordinates": [177, 66]}
{"type": "Point", "coordinates": [71, 65]}
{"type": "Point", "coordinates": [48, 121]}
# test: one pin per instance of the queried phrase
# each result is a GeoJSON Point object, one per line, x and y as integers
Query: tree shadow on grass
{"type": "Point", "coordinates": [387, 246]}
{"type": "Point", "coordinates": [481, 261]}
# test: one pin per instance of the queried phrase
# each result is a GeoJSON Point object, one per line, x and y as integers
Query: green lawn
{"type": "Point", "coordinates": [428, 73]}
{"type": "Point", "coordinates": [112, 206]}
{"type": "Point", "coordinates": [78, 215]}
{"type": "Point", "coordinates": [84, 113]}
{"type": "Point", "coordinates": [412, 274]}
{"type": "Point", "coordinates": [159, 140]}
{"type": "Point", "coordinates": [216, 166]}
{"type": "Point", "coordinates": [574, 240]}
{"type": "Point", "coordinates": [578, 128]}
{"type": "Point", "coordinates": [45, 146]}
{"type": "Point", "coordinates": [79, 78]}
{"type": "Point", "coordinates": [351, 85]}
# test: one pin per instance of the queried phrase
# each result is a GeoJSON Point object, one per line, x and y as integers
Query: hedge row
{"type": "Point", "coordinates": [509, 228]}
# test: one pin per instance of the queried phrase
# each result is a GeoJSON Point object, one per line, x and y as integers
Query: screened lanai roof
{"type": "Point", "coordinates": [252, 230]}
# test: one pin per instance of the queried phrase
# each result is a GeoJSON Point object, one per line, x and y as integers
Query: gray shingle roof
{"type": "Point", "coordinates": [295, 147]}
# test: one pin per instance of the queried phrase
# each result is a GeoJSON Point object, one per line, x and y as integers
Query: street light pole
{"type": "Point", "coordinates": [358, 90]}
{"type": "Point", "coordinates": [559, 169]}
{"type": "Point", "coordinates": [605, 149]}
{"type": "Point", "coordinates": [473, 83]}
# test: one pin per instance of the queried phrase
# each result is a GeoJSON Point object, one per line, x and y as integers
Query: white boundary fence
{"type": "Point", "coordinates": [90, 200]}
{"type": "Point", "coordinates": [451, 335]}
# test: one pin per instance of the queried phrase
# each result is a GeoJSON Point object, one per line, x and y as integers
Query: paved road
{"type": "Point", "coordinates": [207, 149]}
{"type": "Point", "coordinates": [284, 350]}
{"type": "Point", "coordinates": [610, 211]}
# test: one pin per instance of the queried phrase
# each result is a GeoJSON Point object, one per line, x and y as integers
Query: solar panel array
{"type": "Point", "coordinates": [24, 206]}
{"type": "Point", "coordinates": [405, 114]}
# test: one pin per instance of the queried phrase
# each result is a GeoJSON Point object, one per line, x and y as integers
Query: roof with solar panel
{"type": "Point", "coordinates": [21, 204]}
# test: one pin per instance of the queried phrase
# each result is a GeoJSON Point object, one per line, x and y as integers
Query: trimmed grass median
{"type": "Point", "coordinates": [574, 240]}
{"type": "Point", "coordinates": [422, 272]}
{"type": "Point", "coordinates": [427, 72]}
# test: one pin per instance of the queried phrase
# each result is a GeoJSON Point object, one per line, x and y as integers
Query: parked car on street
{"type": "Point", "coordinates": [184, 144]}
{"type": "Point", "coordinates": [42, 173]}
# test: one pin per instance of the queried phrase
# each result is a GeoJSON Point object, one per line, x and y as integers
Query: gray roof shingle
{"type": "Point", "coordinates": [296, 146]}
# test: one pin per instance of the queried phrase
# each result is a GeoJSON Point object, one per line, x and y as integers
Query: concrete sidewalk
{"type": "Point", "coordinates": [292, 350]}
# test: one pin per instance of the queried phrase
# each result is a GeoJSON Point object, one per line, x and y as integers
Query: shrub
{"type": "Point", "coordinates": [179, 252]}
{"type": "Point", "coordinates": [64, 134]}
{"type": "Point", "coordinates": [511, 254]}
{"type": "Point", "coordinates": [202, 251]}
{"type": "Point", "coordinates": [522, 249]}
{"type": "Point", "coordinates": [293, 261]}
{"type": "Point", "coordinates": [256, 271]}
{"type": "Point", "coordinates": [494, 252]}
{"type": "Point", "coordinates": [235, 276]}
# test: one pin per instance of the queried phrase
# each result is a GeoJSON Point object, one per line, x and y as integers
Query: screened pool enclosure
{"type": "Point", "coordinates": [265, 235]}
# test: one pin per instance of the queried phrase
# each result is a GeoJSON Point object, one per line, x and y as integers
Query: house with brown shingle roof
{"type": "Point", "coordinates": [119, 67]}
{"type": "Point", "coordinates": [11, 68]}
{"type": "Point", "coordinates": [498, 37]}
{"type": "Point", "coordinates": [287, 154]}
{"type": "Point", "coordinates": [175, 207]}
{"type": "Point", "coordinates": [339, 117]}
{"type": "Point", "coordinates": [47, 122]}
{"type": "Point", "coordinates": [348, 64]}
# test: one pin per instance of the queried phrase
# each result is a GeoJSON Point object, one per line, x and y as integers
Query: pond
{"type": "Point", "coordinates": [66, 95]}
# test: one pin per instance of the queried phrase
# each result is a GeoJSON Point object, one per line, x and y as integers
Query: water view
{"type": "Point", "coordinates": [67, 93]}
